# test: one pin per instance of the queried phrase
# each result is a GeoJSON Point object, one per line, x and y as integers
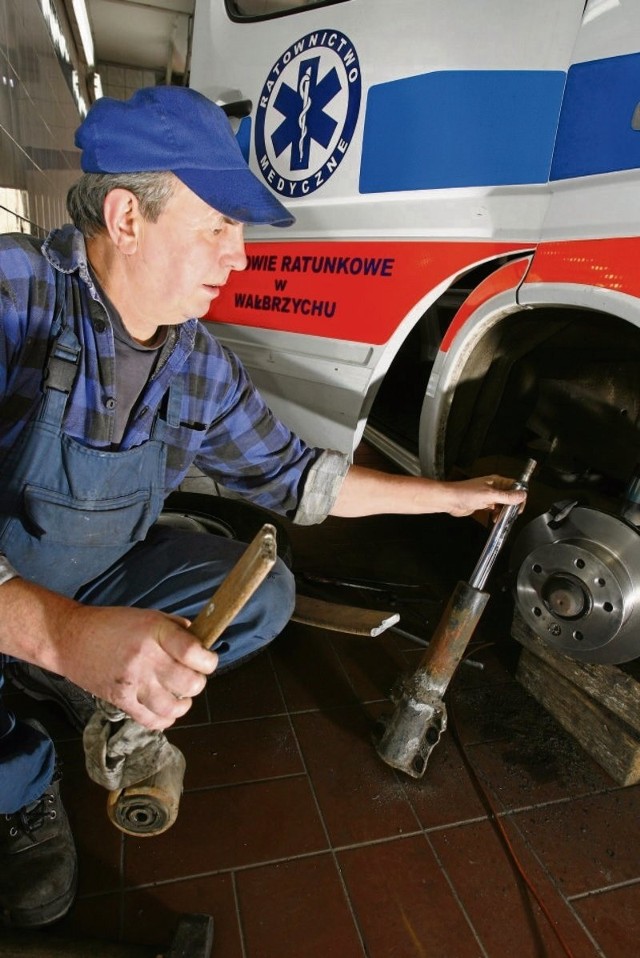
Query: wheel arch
{"type": "Point", "coordinates": [511, 329]}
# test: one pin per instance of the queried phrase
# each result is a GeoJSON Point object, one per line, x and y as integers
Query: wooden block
{"type": "Point", "coordinates": [607, 684]}
{"type": "Point", "coordinates": [599, 705]}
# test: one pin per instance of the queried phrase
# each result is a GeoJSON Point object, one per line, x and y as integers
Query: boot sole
{"type": "Point", "coordinates": [40, 917]}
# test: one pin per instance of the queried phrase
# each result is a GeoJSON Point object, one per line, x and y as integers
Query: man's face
{"type": "Point", "coordinates": [185, 257]}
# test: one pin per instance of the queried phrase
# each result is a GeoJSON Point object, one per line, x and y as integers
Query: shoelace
{"type": "Point", "coordinates": [32, 817]}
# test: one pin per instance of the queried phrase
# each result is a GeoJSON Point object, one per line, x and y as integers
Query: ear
{"type": "Point", "coordinates": [123, 219]}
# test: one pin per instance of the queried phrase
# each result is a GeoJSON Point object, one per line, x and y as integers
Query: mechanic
{"type": "Point", "coordinates": [110, 391]}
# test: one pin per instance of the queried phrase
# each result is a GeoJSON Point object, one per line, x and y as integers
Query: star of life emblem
{"type": "Point", "coordinates": [307, 113]}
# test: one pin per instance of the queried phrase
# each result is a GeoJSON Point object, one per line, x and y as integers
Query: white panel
{"type": "Point", "coordinates": [140, 34]}
{"type": "Point", "coordinates": [611, 28]}
{"type": "Point", "coordinates": [595, 207]}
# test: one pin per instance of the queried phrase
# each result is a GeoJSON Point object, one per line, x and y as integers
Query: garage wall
{"type": "Point", "coordinates": [120, 81]}
{"type": "Point", "coordinates": [39, 113]}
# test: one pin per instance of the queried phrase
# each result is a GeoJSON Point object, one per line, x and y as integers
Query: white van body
{"type": "Point", "coordinates": [462, 277]}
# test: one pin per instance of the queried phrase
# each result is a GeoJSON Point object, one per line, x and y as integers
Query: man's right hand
{"type": "Point", "coordinates": [143, 661]}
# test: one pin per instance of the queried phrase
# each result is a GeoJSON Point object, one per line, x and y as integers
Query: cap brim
{"type": "Point", "coordinates": [238, 194]}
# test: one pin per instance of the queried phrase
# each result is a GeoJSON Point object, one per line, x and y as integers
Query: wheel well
{"type": "Point", "coordinates": [395, 410]}
{"type": "Point", "coordinates": [557, 383]}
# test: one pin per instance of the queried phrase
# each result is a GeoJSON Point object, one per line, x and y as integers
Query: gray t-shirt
{"type": "Point", "coordinates": [135, 363]}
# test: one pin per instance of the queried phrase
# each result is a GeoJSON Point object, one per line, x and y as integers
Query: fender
{"type": "Point", "coordinates": [488, 304]}
{"type": "Point", "coordinates": [593, 273]}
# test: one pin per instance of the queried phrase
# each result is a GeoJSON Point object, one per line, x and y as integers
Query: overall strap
{"type": "Point", "coordinates": [64, 356]}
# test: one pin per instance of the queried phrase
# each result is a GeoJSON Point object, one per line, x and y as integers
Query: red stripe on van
{"type": "Point", "coordinates": [351, 291]}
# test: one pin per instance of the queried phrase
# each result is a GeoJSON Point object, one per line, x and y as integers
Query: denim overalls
{"type": "Point", "coordinates": [80, 522]}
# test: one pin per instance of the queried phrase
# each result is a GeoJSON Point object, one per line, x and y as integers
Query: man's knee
{"type": "Point", "coordinates": [275, 599]}
{"type": "Point", "coordinates": [282, 588]}
{"type": "Point", "coordinates": [262, 618]}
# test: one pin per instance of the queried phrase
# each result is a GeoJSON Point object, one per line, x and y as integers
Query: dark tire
{"type": "Point", "coordinates": [224, 517]}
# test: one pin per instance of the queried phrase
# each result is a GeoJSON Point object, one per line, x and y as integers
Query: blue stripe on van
{"type": "Point", "coordinates": [460, 128]}
{"type": "Point", "coordinates": [595, 133]}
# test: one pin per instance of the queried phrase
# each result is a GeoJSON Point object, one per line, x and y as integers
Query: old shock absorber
{"type": "Point", "coordinates": [414, 728]}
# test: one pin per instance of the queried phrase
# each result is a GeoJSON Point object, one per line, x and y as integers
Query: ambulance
{"type": "Point", "coordinates": [461, 286]}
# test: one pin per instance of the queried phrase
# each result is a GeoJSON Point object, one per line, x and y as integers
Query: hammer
{"type": "Point", "coordinates": [149, 806]}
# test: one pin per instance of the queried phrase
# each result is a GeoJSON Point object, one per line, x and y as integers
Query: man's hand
{"type": "Point", "coordinates": [484, 494]}
{"type": "Point", "coordinates": [142, 661]}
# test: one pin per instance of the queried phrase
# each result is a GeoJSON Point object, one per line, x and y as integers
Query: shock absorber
{"type": "Point", "coordinates": [414, 728]}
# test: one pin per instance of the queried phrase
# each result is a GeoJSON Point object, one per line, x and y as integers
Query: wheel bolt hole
{"type": "Point", "coordinates": [537, 611]}
{"type": "Point", "coordinates": [578, 636]}
{"type": "Point", "coordinates": [607, 606]}
{"type": "Point", "coordinates": [537, 569]}
{"type": "Point", "coordinates": [580, 563]}
{"type": "Point", "coordinates": [601, 582]}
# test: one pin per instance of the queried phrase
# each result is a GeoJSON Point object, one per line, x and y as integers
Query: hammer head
{"type": "Point", "coordinates": [193, 937]}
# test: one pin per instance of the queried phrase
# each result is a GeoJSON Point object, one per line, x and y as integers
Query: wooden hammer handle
{"type": "Point", "coordinates": [237, 588]}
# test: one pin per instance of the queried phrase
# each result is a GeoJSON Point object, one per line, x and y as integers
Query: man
{"type": "Point", "coordinates": [110, 390]}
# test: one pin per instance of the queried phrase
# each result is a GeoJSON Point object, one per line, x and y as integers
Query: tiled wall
{"type": "Point", "coordinates": [120, 81]}
{"type": "Point", "coordinates": [38, 117]}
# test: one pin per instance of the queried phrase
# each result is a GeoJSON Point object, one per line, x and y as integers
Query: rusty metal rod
{"type": "Point", "coordinates": [414, 728]}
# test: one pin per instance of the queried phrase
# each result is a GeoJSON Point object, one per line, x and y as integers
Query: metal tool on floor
{"type": "Point", "coordinates": [414, 728]}
{"type": "Point", "coordinates": [393, 600]}
{"type": "Point", "coordinates": [337, 617]}
{"type": "Point", "coordinates": [141, 768]}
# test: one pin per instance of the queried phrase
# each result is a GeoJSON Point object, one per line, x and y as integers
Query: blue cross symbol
{"type": "Point", "coordinates": [303, 110]}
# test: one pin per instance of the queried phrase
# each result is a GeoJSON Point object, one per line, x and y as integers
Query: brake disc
{"type": "Point", "coordinates": [578, 583]}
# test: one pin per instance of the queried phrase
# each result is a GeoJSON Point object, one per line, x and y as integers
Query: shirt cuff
{"type": "Point", "coordinates": [321, 487]}
{"type": "Point", "coordinates": [7, 571]}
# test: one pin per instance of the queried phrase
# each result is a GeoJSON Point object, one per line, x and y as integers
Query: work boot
{"type": "Point", "coordinates": [45, 686]}
{"type": "Point", "coordinates": [38, 863]}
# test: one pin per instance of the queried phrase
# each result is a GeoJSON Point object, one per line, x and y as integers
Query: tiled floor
{"type": "Point", "coordinates": [302, 843]}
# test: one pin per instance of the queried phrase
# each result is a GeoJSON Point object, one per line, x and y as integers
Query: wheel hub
{"type": "Point", "coordinates": [565, 596]}
{"type": "Point", "coordinates": [578, 583]}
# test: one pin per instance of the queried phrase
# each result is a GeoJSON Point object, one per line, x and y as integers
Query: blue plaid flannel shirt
{"type": "Point", "coordinates": [226, 428]}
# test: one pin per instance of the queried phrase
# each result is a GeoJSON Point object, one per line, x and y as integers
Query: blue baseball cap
{"type": "Point", "coordinates": [176, 129]}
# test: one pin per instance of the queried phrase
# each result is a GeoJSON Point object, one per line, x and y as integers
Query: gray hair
{"type": "Point", "coordinates": [85, 199]}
